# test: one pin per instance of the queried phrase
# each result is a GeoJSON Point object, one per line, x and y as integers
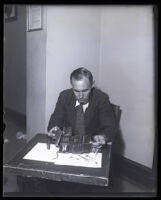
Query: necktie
{"type": "Point", "coordinates": [79, 125]}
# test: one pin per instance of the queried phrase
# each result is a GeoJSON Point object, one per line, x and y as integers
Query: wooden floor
{"type": "Point", "coordinates": [118, 186]}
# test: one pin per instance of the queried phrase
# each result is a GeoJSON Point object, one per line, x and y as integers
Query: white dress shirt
{"type": "Point", "coordinates": [85, 106]}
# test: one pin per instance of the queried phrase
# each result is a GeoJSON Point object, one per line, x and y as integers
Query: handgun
{"type": "Point", "coordinates": [54, 138]}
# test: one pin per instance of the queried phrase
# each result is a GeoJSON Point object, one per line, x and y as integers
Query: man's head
{"type": "Point", "coordinates": [82, 83]}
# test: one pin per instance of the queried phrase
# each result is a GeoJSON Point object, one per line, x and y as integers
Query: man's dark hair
{"type": "Point", "coordinates": [80, 72]}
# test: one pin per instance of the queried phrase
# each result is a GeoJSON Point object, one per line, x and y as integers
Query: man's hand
{"type": "Point", "coordinates": [55, 128]}
{"type": "Point", "coordinates": [52, 131]}
{"type": "Point", "coordinates": [99, 140]}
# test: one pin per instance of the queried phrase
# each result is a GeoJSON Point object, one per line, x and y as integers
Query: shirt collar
{"type": "Point", "coordinates": [84, 106]}
{"type": "Point", "coordinates": [77, 103]}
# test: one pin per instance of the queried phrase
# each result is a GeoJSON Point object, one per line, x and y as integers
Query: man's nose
{"type": "Point", "coordinates": [80, 94]}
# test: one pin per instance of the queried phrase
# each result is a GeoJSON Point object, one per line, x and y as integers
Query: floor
{"type": "Point", "coordinates": [117, 187]}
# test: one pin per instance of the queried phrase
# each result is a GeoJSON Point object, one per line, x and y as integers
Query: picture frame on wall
{"type": "Point", "coordinates": [10, 12]}
{"type": "Point", "coordinates": [34, 18]}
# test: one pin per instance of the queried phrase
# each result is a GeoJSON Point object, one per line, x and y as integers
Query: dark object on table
{"type": "Point", "coordinates": [68, 142]}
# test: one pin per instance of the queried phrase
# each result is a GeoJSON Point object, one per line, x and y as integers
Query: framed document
{"type": "Point", "coordinates": [10, 13]}
{"type": "Point", "coordinates": [34, 18]}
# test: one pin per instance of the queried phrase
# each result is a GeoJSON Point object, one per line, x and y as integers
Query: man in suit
{"type": "Point", "coordinates": [99, 118]}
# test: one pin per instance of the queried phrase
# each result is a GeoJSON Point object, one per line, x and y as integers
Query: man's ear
{"type": "Point", "coordinates": [93, 84]}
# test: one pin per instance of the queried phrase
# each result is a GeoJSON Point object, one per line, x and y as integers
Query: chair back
{"type": "Point", "coordinates": [117, 112]}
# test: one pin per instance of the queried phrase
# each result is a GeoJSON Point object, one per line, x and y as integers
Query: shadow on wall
{"type": "Point", "coordinates": [117, 153]}
{"type": "Point", "coordinates": [118, 145]}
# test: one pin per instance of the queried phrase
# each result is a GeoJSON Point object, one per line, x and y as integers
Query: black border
{"type": "Point", "coordinates": [155, 168]}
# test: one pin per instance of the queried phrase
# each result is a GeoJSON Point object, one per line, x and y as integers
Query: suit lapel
{"type": "Point", "coordinates": [72, 109]}
{"type": "Point", "coordinates": [88, 113]}
{"type": "Point", "coordinates": [89, 110]}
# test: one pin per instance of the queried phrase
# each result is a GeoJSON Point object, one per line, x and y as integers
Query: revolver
{"type": "Point", "coordinates": [54, 137]}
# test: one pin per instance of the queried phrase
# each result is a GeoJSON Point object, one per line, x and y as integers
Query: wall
{"type": "Point", "coordinates": [116, 44]}
{"type": "Point", "coordinates": [126, 73]}
{"type": "Point", "coordinates": [36, 80]}
{"type": "Point", "coordinates": [15, 62]}
{"type": "Point", "coordinates": [73, 38]}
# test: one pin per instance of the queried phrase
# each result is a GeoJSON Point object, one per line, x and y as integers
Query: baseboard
{"type": "Point", "coordinates": [134, 171]}
{"type": "Point", "coordinates": [15, 116]}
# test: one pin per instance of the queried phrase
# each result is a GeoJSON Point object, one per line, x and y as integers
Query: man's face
{"type": "Point", "coordinates": [81, 89]}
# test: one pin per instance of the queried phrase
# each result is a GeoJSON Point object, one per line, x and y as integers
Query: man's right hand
{"type": "Point", "coordinates": [55, 128]}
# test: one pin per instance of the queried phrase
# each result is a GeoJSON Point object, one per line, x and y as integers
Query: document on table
{"type": "Point", "coordinates": [40, 153]}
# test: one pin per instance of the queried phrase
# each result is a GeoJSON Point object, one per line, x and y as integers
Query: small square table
{"type": "Point", "coordinates": [48, 170]}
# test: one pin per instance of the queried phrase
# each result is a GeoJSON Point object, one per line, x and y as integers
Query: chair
{"type": "Point", "coordinates": [117, 112]}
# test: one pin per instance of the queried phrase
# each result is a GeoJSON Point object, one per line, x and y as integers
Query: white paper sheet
{"type": "Point", "coordinates": [40, 153]}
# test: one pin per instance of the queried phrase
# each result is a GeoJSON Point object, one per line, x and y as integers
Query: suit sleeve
{"type": "Point", "coordinates": [107, 120]}
{"type": "Point", "coordinates": [58, 116]}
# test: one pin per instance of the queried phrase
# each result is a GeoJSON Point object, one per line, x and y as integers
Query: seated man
{"type": "Point", "coordinates": [84, 108]}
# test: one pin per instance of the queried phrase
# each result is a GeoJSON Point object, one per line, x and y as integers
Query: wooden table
{"type": "Point", "coordinates": [48, 170]}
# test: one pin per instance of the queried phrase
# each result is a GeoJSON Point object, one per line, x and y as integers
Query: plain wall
{"type": "Point", "coordinates": [73, 39]}
{"type": "Point", "coordinates": [15, 62]}
{"type": "Point", "coordinates": [116, 44]}
{"type": "Point", "coordinates": [126, 73]}
{"type": "Point", "coordinates": [36, 80]}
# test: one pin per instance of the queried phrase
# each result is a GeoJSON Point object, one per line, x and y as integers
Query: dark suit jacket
{"type": "Point", "coordinates": [99, 116]}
